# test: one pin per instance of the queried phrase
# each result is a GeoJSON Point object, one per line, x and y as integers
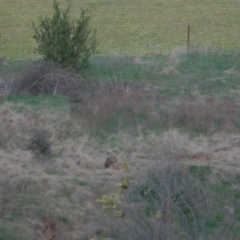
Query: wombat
{"type": "Point", "coordinates": [109, 161]}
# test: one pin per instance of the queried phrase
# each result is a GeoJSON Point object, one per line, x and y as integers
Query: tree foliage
{"type": "Point", "coordinates": [63, 41]}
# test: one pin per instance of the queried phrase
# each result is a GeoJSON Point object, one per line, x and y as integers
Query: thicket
{"type": "Point", "coordinates": [175, 202]}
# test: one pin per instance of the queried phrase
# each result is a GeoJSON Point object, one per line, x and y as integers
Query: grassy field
{"type": "Point", "coordinates": [129, 27]}
{"type": "Point", "coordinates": [170, 117]}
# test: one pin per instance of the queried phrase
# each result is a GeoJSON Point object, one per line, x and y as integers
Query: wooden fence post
{"type": "Point", "coordinates": [188, 38]}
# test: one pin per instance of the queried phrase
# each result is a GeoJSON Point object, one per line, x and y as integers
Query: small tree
{"type": "Point", "coordinates": [64, 42]}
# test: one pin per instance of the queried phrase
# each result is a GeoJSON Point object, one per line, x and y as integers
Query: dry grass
{"type": "Point", "coordinates": [58, 197]}
{"type": "Point", "coordinates": [122, 101]}
{"type": "Point", "coordinates": [210, 115]}
{"type": "Point", "coordinates": [76, 177]}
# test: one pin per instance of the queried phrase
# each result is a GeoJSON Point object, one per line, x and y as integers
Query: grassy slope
{"type": "Point", "coordinates": [65, 192]}
{"type": "Point", "coordinates": [130, 27]}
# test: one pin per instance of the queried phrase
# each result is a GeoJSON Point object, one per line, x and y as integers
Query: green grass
{"type": "Point", "coordinates": [6, 233]}
{"type": "Point", "coordinates": [202, 72]}
{"type": "Point", "coordinates": [14, 66]}
{"type": "Point", "coordinates": [56, 172]}
{"type": "Point", "coordinates": [124, 68]}
{"type": "Point", "coordinates": [40, 102]}
{"type": "Point", "coordinates": [127, 26]}
{"type": "Point", "coordinates": [200, 172]}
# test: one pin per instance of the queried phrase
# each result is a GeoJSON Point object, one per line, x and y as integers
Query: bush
{"type": "Point", "coordinates": [41, 78]}
{"type": "Point", "coordinates": [206, 116]}
{"type": "Point", "coordinates": [111, 105]}
{"type": "Point", "coordinates": [63, 42]}
{"type": "Point", "coordinates": [39, 145]}
{"type": "Point", "coordinates": [173, 203]}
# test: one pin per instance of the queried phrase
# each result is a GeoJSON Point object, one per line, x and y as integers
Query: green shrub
{"type": "Point", "coordinates": [111, 203]}
{"type": "Point", "coordinates": [63, 42]}
{"type": "Point", "coordinates": [40, 145]}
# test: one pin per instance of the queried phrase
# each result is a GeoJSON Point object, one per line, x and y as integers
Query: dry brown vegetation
{"type": "Point", "coordinates": [52, 160]}
{"type": "Point", "coordinates": [206, 115]}
{"type": "Point", "coordinates": [57, 198]}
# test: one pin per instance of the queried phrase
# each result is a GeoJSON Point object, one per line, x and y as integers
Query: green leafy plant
{"type": "Point", "coordinates": [112, 203]}
{"type": "Point", "coordinates": [63, 41]}
{"type": "Point", "coordinates": [124, 184]}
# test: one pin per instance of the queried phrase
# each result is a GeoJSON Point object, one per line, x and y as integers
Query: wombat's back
{"type": "Point", "coordinates": [109, 161]}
